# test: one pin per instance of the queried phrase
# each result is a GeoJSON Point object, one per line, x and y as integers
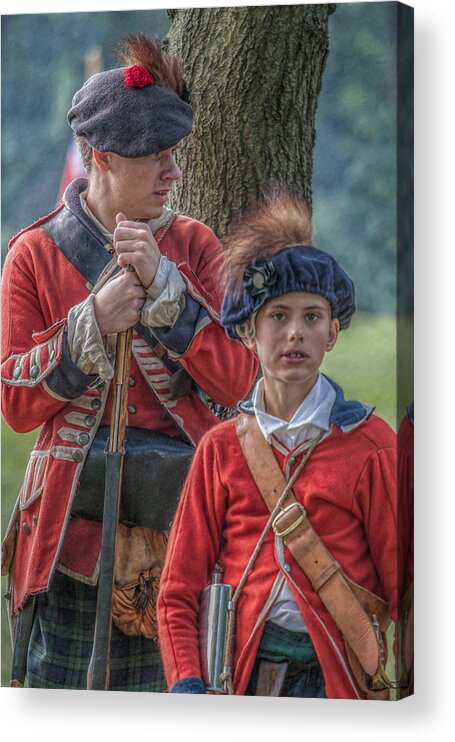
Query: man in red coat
{"type": "Point", "coordinates": [66, 294]}
{"type": "Point", "coordinates": [316, 590]}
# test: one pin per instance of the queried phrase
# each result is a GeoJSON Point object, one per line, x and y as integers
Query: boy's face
{"type": "Point", "coordinates": [293, 332]}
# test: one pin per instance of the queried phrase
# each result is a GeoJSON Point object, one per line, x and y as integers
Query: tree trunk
{"type": "Point", "coordinates": [253, 74]}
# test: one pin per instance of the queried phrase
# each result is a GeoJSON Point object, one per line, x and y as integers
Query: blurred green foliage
{"type": "Point", "coordinates": [354, 176]}
{"type": "Point", "coordinates": [363, 363]}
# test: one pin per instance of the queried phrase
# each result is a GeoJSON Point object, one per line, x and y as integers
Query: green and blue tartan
{"type": "Point", "coordinates": [304, 678]}
{"type": "Point", "coordinates": [62, 639]}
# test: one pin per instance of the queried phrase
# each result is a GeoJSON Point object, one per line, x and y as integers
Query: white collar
{"type": "Point", "coordinates": [312, 416]}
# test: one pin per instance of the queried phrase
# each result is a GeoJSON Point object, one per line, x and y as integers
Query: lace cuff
{"type": "Point", "coordinates": [86, 346]}
{"type": "Point", "coordinates": [165, 297]}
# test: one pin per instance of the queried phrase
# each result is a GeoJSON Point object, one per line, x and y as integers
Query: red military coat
{"type": "Point", "coordinates": [42, 387]}
{"type": "Point", "coordinates": [348, 487]}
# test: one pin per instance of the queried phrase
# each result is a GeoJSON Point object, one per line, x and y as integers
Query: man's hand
{"type": "Point", "coordinates": [118, 304]}
{"type": "Point", "coordinates": [135, 245]}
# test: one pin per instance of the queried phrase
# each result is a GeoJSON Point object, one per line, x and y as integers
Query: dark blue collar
{"type": "Point", "coordinates": [72, 201]}
{"type": "Point", "coordinates": [346, 414]}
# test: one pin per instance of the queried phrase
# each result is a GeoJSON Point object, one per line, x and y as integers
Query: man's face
{"type": "Point", "coordinates": [140, 186]}
{"type": "Point", "coordinates": [293, 332]}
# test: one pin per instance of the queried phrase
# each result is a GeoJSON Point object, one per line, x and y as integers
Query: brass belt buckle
{"type": "Point", "coordinates": [294, 525]}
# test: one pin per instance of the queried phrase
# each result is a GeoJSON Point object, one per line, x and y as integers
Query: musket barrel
{"type": "Point", "coordinates": [98, 675]}
{"type": "Point", "coordinates": [98, 672]}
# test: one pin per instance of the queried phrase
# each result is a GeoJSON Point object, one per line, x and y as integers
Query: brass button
{"type": "Point", "coordinates": [77, 455]}
{"type": "Point", "coordinates": [26, 529]}
{"type": "Point", "coordinates": [96, 403]}
{"type": "Point", "coordinates": [131, 409]}
{"type": "Point", "coordinates": [292, 460]}
{"type": "Point", "coordinates": [90, 421]}
{"type": "Point", "coordinates": [131, 381]}
{"type": "Point", "coordinates": [35, 520]}
{"type": "Point", "coordinates": [17, 372]}
{"type": "Point", "coordinates": [83, 438]}
{"type": "Point", "coordinates": [34, 371]}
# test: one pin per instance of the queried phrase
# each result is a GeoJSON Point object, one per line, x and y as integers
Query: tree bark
{"type": "Point", "coordinates": [254, 75]}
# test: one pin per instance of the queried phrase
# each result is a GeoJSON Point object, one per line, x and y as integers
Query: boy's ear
{"type": "Point", "coordinates": [333, 334]}
{"type": "Point", "coordinates": [250, 343]}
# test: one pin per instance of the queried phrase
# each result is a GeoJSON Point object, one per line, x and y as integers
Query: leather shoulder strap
{"type": "Point", "coordinates": [261, 461]}
{"type": "Point", "coordinates": [317, 563]}
{"type": "Point", "coordinates": [78, 245]}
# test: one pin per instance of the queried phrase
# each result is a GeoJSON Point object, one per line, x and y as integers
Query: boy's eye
{"type": "Point", "coordinates": [279, 316]}
{"type": "Point", "coordinates": [311, 316]}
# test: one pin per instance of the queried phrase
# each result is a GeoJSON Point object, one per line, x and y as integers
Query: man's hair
{"type": "Point", "coordinates": [85, 152]}
{"type": "Point", "coordinates": [165, 68]}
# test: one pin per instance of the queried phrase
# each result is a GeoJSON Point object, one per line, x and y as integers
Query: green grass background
{"type": "Point", "coordinates": [363, 363]}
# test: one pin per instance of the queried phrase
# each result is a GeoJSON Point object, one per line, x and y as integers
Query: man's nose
{"type": "Point", "coordinates": [172, 171]}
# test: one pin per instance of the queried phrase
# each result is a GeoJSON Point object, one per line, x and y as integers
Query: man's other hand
{"type": "Point", "coordinates": [118, 304]}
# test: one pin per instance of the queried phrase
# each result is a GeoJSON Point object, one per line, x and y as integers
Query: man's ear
{"type": "Point", "coordinates": [101, 160]}
{"type": "Point", "coordinates": [333, 334]}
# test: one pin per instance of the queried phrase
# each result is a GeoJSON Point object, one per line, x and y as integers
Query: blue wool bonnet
{"type": "Point", "coordinates": [131, 116]}
{"type": "Point", "coordinates": [294, 268]}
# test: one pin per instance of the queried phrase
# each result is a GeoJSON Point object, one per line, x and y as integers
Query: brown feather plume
{"type": "Point", "coordinates": [281, 219]}
{"type": "Point", "coordinates": [165, 68]}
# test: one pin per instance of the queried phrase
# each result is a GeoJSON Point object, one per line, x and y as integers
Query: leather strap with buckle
{"type": "Point", "coordinates": [288, 529]}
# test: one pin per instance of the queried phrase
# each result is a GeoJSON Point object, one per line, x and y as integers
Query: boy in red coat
{"type": "Point", "coordinates": [287, 301]}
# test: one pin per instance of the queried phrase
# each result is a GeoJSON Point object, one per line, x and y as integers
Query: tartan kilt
{"type": "Point", "coordinates": [62, 639]}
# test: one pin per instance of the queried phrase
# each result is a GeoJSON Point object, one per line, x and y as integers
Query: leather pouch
{"type": "Point", "coordinates": [376, 688]}
{"type": "Point", "coordinates": [139, 560]}
{"type": "Point", "coordinates": [154, 470]}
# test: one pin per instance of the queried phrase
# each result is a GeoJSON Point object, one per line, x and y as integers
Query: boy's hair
{"type": "Point", "coordinates": [269, 254]}
{"type": "Point", "coordinates": [282, 218]}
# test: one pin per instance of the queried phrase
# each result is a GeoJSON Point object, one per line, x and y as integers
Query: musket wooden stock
{"type": "Point", "coordinates": [98, 671]}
